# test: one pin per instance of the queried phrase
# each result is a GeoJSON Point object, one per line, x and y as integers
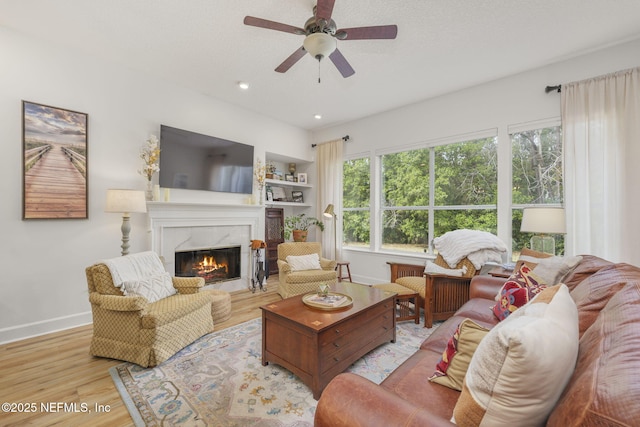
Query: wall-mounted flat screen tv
{"type": "Point", "coordinates": [193, 161]}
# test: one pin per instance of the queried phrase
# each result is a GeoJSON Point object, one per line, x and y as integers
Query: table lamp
{"type": "Point", "coordinates": [125, 202]}
{"type": "Point", "coordinates": [330, 213]}
{"type": "Point", "coordinates": [543, 221]}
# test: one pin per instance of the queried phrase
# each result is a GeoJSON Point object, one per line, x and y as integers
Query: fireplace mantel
{"type": "Point", "coordinates": [181, 226]}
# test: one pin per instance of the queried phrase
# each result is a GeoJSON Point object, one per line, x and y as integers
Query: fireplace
{"type": "Point", "coordinates": [212, 264]}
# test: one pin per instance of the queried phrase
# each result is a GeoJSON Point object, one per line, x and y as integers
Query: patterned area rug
{"type": "Point", "coordinates": [219, 380]}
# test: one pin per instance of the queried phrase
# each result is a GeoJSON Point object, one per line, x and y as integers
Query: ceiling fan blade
{"type": "Point", "coordinates": [292, 59]}
{"type": "Point", "coordinates": [324, 9]}
{"type": "Point", "coordinates": [365, 33]}
{"type": "Point", "coordinates": [341, 64]}
{"type": "Point", "coordinates": [272, 25]}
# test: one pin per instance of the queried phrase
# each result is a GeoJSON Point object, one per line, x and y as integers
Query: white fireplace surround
{"type": "Point", "coordinates": [190, 226]}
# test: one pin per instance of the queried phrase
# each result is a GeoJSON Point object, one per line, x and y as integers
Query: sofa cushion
{"type": "Point", "coordinates": [553, 269]}
{"type": "Point", "coordinates": [452, 367]}
{"type": "Point", "coordinates": [593, 293]}
{"type": "Point", "coordinates": [520, 368]}
{"type": "Point", "coordinates": [521, 287]}
{"type": "Point", "coordinates": [153, 288]}
{"type": "Point", "coordinates": [409, 382]}
{"type": "Point", "coordinates": [304, 262]}
{"type": "Point", "coordinates": [530, 258]}
{"type": "Point", "coordinates": [589, 265]}
{"type": "Point", "coordinates": [605, 386]}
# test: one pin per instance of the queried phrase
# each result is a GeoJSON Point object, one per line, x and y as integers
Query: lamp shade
{"type": "Point", "coordinates": [328, 212]}
{"type": "Point", "coordinates": [543, 220]}
{"type": "Point", "coordinates": [125, 201]}
{"type": "Point", "coordinates": [319, 45]}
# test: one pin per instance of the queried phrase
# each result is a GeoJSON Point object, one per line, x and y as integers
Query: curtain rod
{"type": "Point", "coordinates": [344, 138]}
{"type": "Point", "coordinates": [557, 88]}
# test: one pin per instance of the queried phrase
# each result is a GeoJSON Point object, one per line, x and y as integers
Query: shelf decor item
{"type": "Point", "coordinates": [302, 178]}
{"type": "Point", "coordinates": [150, 155]}
{"type": "Point", "coordinates": [298, 226]}
{"type": "Point", "coordinates": [297, 197]}
{"type": "Point", "coordinates": [328, 301]}
{"type": "Point", "coordinates": [259, 171]}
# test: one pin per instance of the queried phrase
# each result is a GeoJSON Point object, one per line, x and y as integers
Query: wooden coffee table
{"type": "Point", "coordinates": [316, 345]}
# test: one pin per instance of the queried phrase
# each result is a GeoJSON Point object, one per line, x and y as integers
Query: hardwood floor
{"type": "Point", "coordinates": [52, 380]}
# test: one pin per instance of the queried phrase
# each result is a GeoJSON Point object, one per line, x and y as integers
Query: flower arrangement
{"type": "Point", "coordinates": [150, 155]}
{"type": "Point", "coordinates": [259, 172]}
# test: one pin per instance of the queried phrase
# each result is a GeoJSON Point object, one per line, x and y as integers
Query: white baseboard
{"type": "Point", "coordinates": [29, 330]}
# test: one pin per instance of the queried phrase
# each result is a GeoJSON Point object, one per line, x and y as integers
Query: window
{"type": "Point", "coordinates": [429, 191]}
{"type": "Point", "coordinates": [405, 200]}
{"type": "Point", "coordinates": [536, 177]}
{"type": "Point", "coordinates": [356, 202]}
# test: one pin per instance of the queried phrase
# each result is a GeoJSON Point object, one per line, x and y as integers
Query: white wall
{"type": "Point", "coordinates": [42, 262]}
{"type": "Point", "coordinates": [496, 105]}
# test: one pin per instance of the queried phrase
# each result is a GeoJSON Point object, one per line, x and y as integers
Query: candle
{"type": "Point", "coordinates": [166, 194]}
{"type": "Point", "coordinates": [156, 193]}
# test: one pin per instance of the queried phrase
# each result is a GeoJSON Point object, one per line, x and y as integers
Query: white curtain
{"type": "Point", "coordinates": [601, 135]}
{"type": "Point", "coordinates": [329, 161]}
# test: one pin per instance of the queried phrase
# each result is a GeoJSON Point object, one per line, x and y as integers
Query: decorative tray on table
{"type": "Point", "coordinates": [332, 301]}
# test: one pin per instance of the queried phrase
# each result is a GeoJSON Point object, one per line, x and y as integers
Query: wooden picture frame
{"type": "Point", "coordinates": [54, 162]}
{"type": "Point", "coordinates": [302, 178]}
{"type": "Point", "coordinates": [288, 177]}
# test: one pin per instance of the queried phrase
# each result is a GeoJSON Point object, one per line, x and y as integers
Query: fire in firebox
{"type": "Point", "coordinates": [213, 264]}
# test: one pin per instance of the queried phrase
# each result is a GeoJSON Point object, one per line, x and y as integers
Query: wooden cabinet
{"type": "Point", "coordinates": [273, 236]}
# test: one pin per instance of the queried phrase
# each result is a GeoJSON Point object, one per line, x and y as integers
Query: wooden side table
{"type": "Point", "coordinates": [500, 272]}
{"type": "Point", "coordinates": [339, 265]}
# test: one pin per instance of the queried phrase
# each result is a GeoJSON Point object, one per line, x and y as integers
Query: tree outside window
{"type": "Point", "coordinates": [458, 191]}
{"type": "Point", "coordinates": [356, 202]}
{"type": "Point", "coordinates": [537, 178]}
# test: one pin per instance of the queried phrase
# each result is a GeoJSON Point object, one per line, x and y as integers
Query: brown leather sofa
{"type": "Point", "coordinates": [604, 389]}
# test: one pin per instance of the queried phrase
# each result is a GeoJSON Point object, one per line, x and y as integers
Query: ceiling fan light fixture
{"type": "Point", "coordinates": [319, 45]}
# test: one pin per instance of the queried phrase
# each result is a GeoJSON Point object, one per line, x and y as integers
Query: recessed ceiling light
{"type": "Point", "coordinates": [317, 116]}
{"type": "Point", "coordinates": [243, 85]}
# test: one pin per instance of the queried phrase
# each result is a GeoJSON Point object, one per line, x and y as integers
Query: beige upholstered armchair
{"type": "Point", "coordinates": [146, 333]}
{"type": "Point", "coordinates": [441, 295]}
{"type": "Point", "coordinates": [296, 281]}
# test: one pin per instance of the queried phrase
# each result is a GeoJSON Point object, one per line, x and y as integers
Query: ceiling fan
{"type": "Point", "coordinates": [321, 35]}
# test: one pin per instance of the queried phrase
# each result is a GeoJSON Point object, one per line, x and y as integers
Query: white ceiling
{"type": "Point", "coordinates": [442, 46]}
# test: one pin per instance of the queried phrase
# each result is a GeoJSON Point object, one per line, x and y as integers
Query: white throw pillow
{"type": "Point", "coordinates": [152, 288]}
{"type": "Point", "coordinates": [554, 269]}
{"type": "Point", "coordinates": [521, 367]}
{"type": "Point", "coordinates": [304, 262]}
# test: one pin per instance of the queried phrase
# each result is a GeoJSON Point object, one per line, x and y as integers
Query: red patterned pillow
{"type": "Point", "coordinates": [517, 291]}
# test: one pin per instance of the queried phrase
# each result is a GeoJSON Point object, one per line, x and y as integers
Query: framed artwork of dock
{"type": "Point", "coordinates": [54, 161]}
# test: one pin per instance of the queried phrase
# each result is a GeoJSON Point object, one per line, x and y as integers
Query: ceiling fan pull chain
{"type": "Point", "coordinates": [318, 71]}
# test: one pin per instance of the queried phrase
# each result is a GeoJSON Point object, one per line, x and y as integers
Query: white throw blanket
{"type": "Point", "coordinates": [134, 267]}
{"type": "Point", "coordinates": [479, 247]}
{"type": "Point", "coordinates": [433, 268]}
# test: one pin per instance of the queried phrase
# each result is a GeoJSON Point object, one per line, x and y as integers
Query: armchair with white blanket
{"type": "Point", "coordinates": [140, 313]}
{"type": "Point", "coordinates": [443, 284]}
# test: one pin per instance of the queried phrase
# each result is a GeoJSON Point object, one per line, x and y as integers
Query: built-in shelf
{"type": "Point", "coordinates": [283, 183]}
{"type": "Point", "coordinates": [294, 204]}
